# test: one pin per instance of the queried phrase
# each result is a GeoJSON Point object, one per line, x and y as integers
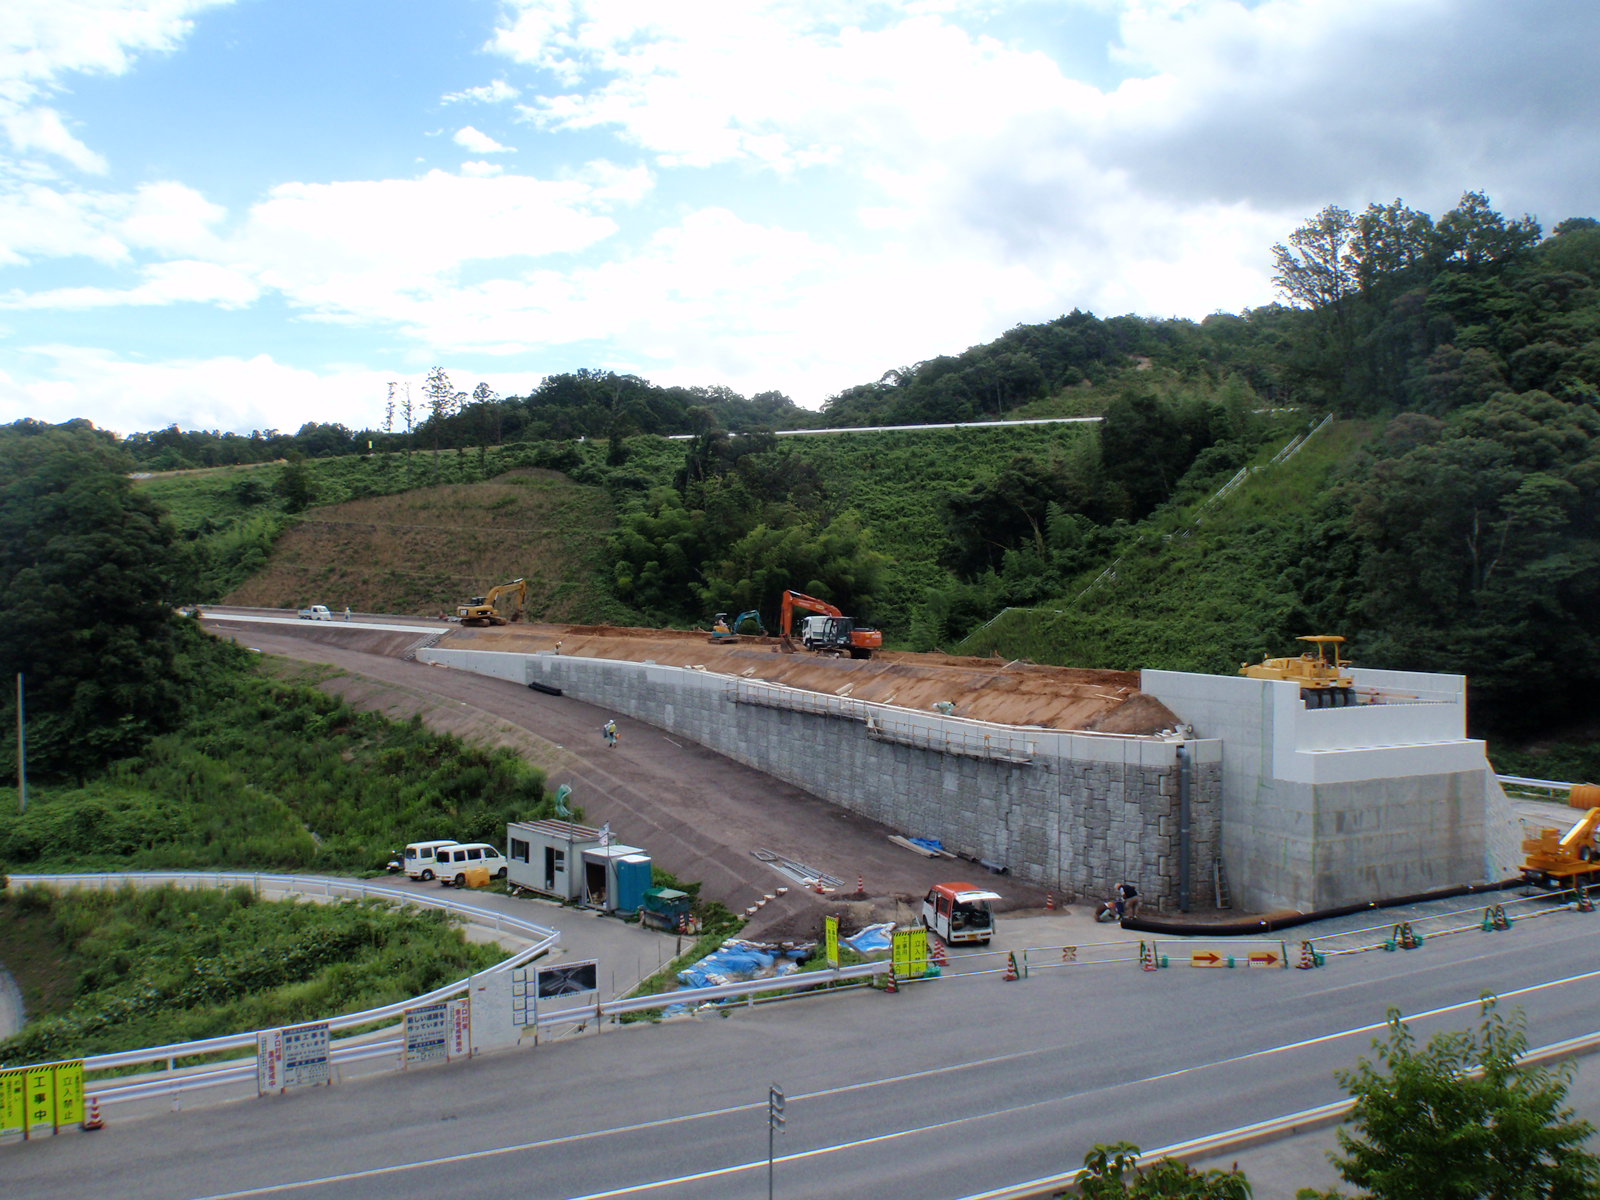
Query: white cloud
{"type": "Point", "coordinates": [56, 383]}
{"type": "Point", "coordinates": [181, 282]}
{"type": "Point", "coordinates": [481, 169]}
{"type": "Point", "coordinates": [41, 129]}
{"type": "Point", "coordinates": [498, 92]}
{"type": "Point", "coordinates": [478, 142]}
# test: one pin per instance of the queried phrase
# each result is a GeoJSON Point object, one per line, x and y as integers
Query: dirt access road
{"type": "Point", "coordinates": [699, 815]}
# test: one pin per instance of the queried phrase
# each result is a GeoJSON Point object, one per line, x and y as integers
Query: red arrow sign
{"type": "Point", "coordinates": [1206, 958]}
{"type": "Point", "coordinates": [1263, 959]}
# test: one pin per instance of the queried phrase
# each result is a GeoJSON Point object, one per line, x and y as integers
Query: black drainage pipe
{"type": "Point", "coordinates": [1241, 926]}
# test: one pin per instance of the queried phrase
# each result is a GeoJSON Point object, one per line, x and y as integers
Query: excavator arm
{"type": "Point", "coordinates": [805, 603]}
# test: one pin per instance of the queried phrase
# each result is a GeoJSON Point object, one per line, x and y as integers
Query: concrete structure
{"type": "Point", "coordinates": [1069, 810]}
{"type": "Point", "coordinates": [1294, 808]}
{"type": "Point", "coordinates": [1333, 806]}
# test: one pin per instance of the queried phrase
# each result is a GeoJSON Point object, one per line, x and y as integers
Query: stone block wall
{"type": "Point", "coordinates": [1073, 812]}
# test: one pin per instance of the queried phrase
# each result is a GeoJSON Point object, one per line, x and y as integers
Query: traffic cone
{"type": "Point", "coordinates": [1049, 902]}
{"type": "Point", "coordinates": [1147, 958]}
{"type": "Point", "coordinates": [1308, 957]}
{"type": "Point", "coordinates": [861, 885]}
{"type": "Point", "coordinates": [1501, 921]}
{"type": "Point", "coordinates": [891, 984]}
{"type": "Point", "coordinates": [936, 952]}
{"type": "Point", "coordinates": [1585, 904]}
{"type": "Point", "coordinates": [91, 1117]}
{"type": "Point", "coordinates": [1011, 966]}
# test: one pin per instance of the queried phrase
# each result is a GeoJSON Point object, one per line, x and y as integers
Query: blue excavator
{"type": "Point", "coordinates": [723, 631]}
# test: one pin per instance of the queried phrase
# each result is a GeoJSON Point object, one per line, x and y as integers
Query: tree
{"type": "Point", "coordinates": [90, 575]}
{"type": "Point", "coordinates": [1461, 1119]}
{"type": "Point", "coordinates": [1113, 1173]}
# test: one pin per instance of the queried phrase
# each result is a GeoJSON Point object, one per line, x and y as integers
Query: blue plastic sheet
{"type": "Point", "coordinates": [933, 844]}
{"type": "Point", "coordinates": [871, 939]}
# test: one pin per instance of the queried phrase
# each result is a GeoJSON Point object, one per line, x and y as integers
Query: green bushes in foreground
{"type": "Point", "coordinates": [162, 965]}
{"type": "Point", "coordinates": [268, 775]}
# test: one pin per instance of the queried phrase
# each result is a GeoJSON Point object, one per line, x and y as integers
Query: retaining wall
{"type": "Point", "coordinates": [1074, 812]}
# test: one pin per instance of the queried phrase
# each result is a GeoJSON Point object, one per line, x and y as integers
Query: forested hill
{"type": "Point", "coordinates": [1452, 528]}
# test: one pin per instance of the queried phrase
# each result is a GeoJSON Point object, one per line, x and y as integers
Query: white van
{"type": "Point", "coordinates": [317, 612]}
{"type": "Point", "coordinates": [452, 862]}
{"type": "Point", "coordinates": [422, 857]}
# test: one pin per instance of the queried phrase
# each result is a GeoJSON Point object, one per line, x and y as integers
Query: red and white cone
{"type": "Point", "coordinates": [891, 985]}
{"type": "Point", "coordinates": [936, 952]}
{"type": "Point", "coordinates": [1011, 966]}
{"type": "Point", "coordinates": [91, 1116]}
{"type": "Point", "coordinates": [861, 885]}
{"type": "Point", "coordinates": [1050, 901]}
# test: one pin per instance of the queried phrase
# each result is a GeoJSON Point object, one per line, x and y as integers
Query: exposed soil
{"type": "Point", "coordinates": [699, 815]}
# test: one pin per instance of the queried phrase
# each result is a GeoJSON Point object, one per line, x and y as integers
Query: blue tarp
{"type": "Point", "coordinates": [871, 939]}
{"type": "Point", "coordinates": [933, 844]}
{"type": "Point", "coordinates": [737, 960]}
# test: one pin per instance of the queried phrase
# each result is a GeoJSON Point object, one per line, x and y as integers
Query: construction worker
{"type": "Point", "coordinates": [609, 729]}
{"type": "Point", "coordinates": [346, 612]}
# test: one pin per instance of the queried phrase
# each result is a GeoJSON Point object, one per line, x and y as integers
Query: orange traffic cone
{"type": "Point", "coordinates": [936, 952]}
{"type": "Point", "coordinates": [1050, 902]}
{"type": "Point", "coordinates": [1011, 966]}
{"type": "Point", "coordinates": [891, 985]}
{"type": "Point", "coordinates": [91, 1117]}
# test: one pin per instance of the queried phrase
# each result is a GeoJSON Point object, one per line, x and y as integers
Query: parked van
{"type": "Point", "coordinates": [959, 912]}
{"type": "Point", "coordinates": [453, 862]}
{"type": "Point", "coordinates": [422, 858]}
{"type": "Point", "coordinates": [317, 612]}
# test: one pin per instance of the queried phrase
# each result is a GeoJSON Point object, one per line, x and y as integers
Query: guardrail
{"type": "Point", "coordinates": [543, 940]}
{"type": "Point", "coordinates": [1535, 785]}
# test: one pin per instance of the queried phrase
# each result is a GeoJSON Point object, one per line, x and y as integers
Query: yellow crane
{"type": "Point", "coordinates": [1320, 672]}
{"type": "Point", "coordinates": [1557, 860]}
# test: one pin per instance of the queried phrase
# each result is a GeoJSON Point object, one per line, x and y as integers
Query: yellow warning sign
{"type": "Point", "coordinates": [831, 927]}
{"type": "Point", "coordinates": [34, 1099]}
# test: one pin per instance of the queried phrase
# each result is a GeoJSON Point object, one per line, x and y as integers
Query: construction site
{"type": "Point", "coordinates": [1266, 792]}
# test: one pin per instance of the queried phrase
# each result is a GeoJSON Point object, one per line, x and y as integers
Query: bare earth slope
{"type": "Point", "coordinates": [424, 551]}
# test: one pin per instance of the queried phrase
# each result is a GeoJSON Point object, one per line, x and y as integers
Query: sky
{"type": "Point", "coordinates": [251, 214]}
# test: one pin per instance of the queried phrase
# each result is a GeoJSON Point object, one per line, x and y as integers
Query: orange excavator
{"type": "Point", "coordinates": [830, 632]}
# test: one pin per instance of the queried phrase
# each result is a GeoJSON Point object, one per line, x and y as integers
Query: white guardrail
{"type": "Point", "coordinates": [173, 1080]}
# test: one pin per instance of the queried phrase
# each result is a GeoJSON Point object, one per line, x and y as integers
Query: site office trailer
{"type": "Point", "coordinates": [546, 857]}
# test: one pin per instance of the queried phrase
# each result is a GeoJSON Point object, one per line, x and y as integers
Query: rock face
{"type": "Point", "coordinates": [1006, 693]}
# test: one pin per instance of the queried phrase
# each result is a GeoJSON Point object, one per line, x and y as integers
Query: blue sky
{"type": "Point", "coordinates": [249, 214]}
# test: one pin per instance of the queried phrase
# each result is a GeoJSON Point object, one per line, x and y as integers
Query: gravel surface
{"type": "Point", "coordinates": [699, 815]}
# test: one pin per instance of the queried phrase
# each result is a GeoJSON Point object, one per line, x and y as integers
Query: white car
{"type": "Point", "coordinates": [317, 612]}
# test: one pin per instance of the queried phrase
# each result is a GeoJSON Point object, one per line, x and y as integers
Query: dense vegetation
{"type": "Point", "coordinates": [150, 967]}
{"type": "Point", "coordinates": [263, 774]}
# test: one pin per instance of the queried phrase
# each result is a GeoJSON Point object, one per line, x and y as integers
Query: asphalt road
{"type": "Point", "coordinates": [952, 1087]}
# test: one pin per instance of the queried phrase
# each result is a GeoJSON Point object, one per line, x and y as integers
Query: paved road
{"type": "Point", "coordinates": [955, 1085]}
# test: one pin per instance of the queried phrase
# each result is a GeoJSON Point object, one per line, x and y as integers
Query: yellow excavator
{"type": "Point", "coordinates": [1557, 860]}
{"type": "Point", "coordinates": [501, 605]}
{"type": "Point", "coordinates": [1320, 672]}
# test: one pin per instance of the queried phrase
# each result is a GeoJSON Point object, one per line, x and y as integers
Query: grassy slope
{"type": "Point", "coordinates": [1195, 591]}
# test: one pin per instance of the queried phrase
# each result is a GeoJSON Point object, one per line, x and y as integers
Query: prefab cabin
{"type": "Point", "coordinates": [546, 857]}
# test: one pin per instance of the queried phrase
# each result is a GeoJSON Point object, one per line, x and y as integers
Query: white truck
{"type": "Point", "coordinates": [317, 612]}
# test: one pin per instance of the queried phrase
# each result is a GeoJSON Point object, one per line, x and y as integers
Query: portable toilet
{"type": "Point", "coordinates": [615, 877]}
{"type": "Point", "coordinates": [546, 856]}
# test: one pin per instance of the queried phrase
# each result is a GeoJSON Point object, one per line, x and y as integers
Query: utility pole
{"type": "Point", "coordinates": [775, 1102]}
{"type": "Point", "coordinates": [22, 751]}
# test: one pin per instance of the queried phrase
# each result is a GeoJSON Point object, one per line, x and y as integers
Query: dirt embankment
{"type": "Point", "coordinates": [1007, 693]}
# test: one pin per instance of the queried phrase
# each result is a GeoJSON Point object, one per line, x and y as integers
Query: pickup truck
{"type": "Point", "coordinates": [317, 612]}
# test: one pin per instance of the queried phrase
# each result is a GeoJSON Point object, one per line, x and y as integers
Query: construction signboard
{"type": "Point", "coordinates": [295, 1056]}
{"type": "Point", "coordinates": [909, 952]}
{"type": "Point", "coordinates": [34, 1100]}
